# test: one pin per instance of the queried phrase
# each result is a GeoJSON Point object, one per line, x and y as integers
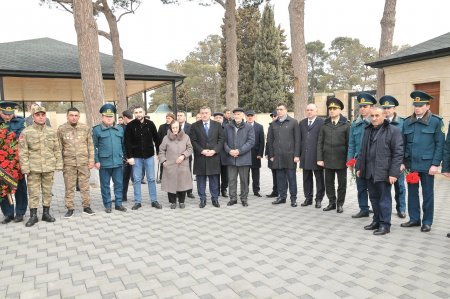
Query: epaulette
{"type": "Point", "coordinates": [437, 116]}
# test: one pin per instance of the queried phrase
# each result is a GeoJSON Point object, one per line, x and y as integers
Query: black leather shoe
{"type": "Point", "coordinates": [173, 206]}
{"type": "Point", "coordinates": [224, 194]}
{"type": "Point", "coordinates": [293, 204]}
{"type": "Point", "coordinates": [136, 206]}
{"type": "Point", "coordinates": [232, 202]}
{"type": "Point", "coordinates": [425, 228]}
{"type": "Point", "coordinates": [372, 226]}
{"type": "Point", "coordinates": [279, 201]}
{"type": "Point", "coordinates": [272, 195]}
{"type": "Point", "coordinates": [121, 208]}
{"type": "Point", "coordinates": [401, 214]}
{"type": "Point", "coordinates": [182, 206]}
{"type": "Point", "coordinates": [448, 235]}
{"type": "Point", "coordinates": [257, 194]}
{"type": "Point", "coordinates": [190, 195]}
{"type": "Point", "coordinates": [216, 204]}
{"type": "Point", "coordinates": [381, 231]}
{"type": "Point", "coordinates": [108, 210]}
{"type": "Point", "coordinates": [318, 205]}
{"type": "Point", "coordinates": [244, 204]}
{"type": "Point", "coordinates": [8, 219]}
{"type": "Point", "coordinates": [202, 204]}
{"type": "Point", "coordinates": [156, 205]}
{"type": "Point", "coordinates": [361, 214]}
{"type": "Point", "coordinates": [339, 209]}
{"type": "Point", "coordinates": [410, 224]}
{"type": "Point", "coordinates": [329, 208]}
{"type": "Point", "coordinates": [18, 218]}
{"type": "Point", "coordinates": [307, 202]}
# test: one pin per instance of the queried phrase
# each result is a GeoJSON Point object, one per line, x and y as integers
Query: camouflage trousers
{"type": "Point", "coordinates": [71, 174]}
{"type": "Point", "coordinates": [36, 182]}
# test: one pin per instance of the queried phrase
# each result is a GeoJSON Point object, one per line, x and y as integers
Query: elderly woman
{"type": "Point", "coordinates": [174, 153]}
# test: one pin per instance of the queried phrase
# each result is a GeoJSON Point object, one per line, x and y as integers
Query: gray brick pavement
{"type": "Point", "coordinates": [262, 251]}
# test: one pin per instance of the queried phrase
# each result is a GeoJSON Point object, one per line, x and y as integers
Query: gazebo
{"type": "Point", "coordinates": [45, 69]}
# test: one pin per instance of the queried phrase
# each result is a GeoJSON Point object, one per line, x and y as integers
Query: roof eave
{"type": "Point", "coordinates": [410, 58]}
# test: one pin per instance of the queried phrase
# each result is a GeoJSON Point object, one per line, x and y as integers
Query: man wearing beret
{"type": "Point", "coordinates": [424, 137]}
{"type": "Point", "coordinates": [257, 151]}
{"type": "Point", "coordinates": [223, 179]}
{"type": "Point", "coordinates": [109, 154]}
{"type": "Point", "coordinates": [388, 103]}
{"type": "Point", "coordinates": [14, 124]}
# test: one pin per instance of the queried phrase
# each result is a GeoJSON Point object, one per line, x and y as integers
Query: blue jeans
{"type": "Point", "coordinates": [21, 201]}
{"type": "Point", "coordinates": [381, 199]}
{"type": "Point", "coordinates": [116, 174]}
{"type": "Point", "coordinates": [400, 192]}
{"type": "Point", "coordinates": [427, 182]}
{"type": "Point", "coordinates": [213, 186]}
{"type": "Point", "coordinates": [287, 176]}
{"type": "Point", "coordinates": [363, 196]}
{"type": "Point", "coordinates": [149, 166]}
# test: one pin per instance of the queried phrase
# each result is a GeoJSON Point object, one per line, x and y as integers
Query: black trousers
{"type": "Point", "coordinates": [223, 181]}
{"type": "Point", "coordinates": [173, 197]}
{"type": "Point", "coordinates": [127, 171]}
{"type": "Point", "coordinates": [255, 179]}
{"type": "Point", "coordinates": [330, 187]}
{"type": "Point", "coordinates": [308, 184]}
{"type": "Point", "coordinates": [274, 182]}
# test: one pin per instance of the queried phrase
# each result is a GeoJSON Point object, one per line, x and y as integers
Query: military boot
{"type": "Point", "coordinates": [46, 215]}
{"type": "Point", "coordinates": [33, 218]}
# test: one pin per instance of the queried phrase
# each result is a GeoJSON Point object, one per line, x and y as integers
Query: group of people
{"type": "Point", "coordinates": [379, 147]}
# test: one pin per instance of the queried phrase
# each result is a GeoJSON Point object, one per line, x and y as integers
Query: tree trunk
{"type": "Point", "coordinates": [387, 36]}
{"type": "Point", "coordinates": [88, 51]}
{"type": "Point", "coordinates": [119, 73]}
{"type": "Point", "coordinates": [299, 58]}
{"type": "Point", "coordinates": [231, 96]}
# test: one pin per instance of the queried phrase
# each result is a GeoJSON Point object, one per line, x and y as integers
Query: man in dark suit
{"type": "Point", "coordinates": [186, 127]}
{"type": "Point", "coordinates": [207, 140]}
{"type": "Point", "coordinates": [223, 178]}
{"type": "Point", "coordinates": [274, 193]}
{"type": "Point", "coordinates": [309, 133]}
{"type": "Point", "coordinates": [257, 151]}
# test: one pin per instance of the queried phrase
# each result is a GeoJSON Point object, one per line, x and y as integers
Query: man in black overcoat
{"type": "Point", "coordinates": [257, 151]}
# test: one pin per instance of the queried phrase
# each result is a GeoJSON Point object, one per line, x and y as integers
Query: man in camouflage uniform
{"type": "Point", "coordinates": [40, 156]}
{"type": "Point", "coordinates": [78, 157]}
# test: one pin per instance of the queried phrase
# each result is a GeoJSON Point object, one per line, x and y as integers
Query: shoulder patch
{"type": "Point", "coordinates": [437, 116]}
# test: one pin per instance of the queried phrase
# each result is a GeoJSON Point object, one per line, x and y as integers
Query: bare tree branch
{"type": "Point", "coordinates": [221, 3]}
{"type": "Point", "coordinates": [104, 34]}
{"type": "Point", "coordinates": [63, 1]}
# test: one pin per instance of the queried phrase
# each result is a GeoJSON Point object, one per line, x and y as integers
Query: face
{"type": "Point", "coordinates": [218, 118]}
{"type": "Point", "coordinates": [389, 111]}
{"type": "Point", "coordinates": [238, 116]}
{"type": "Point", "coordinates": [73, 117]}
{"type": "Point", "coordinates": [311, 111]}
{"type": "Point", "coordinates": [281, 111]}
{"type": "Point", "coordinates": [6, 117]}
{"type": "Point", "coordinates": [274, 117]}
{"type": "Point", "coordinates": [250, 118]}
{"type": "Point", "coordinates": [364, 111]}
{"type": "Point", "coordinates": [120, 120]}
{"type": "Point", "coordinates": [169, 120]}
{"type": "Point", "coordinates": [175, 127]}
{"type": "Point", "coordinates": [39, 118]}
{"type": "Point", "coordinates": [198, 117]}
{"type": "Point", "coordinates": [419, 111]}
{"type": "Point", "coordinates": [181, 117]}
{"type": "Point", "coordinates": [108, 120]}
{"type": "Point", "coordinates": [376, 116]}
{"type": "Point", "coordinates": [205, 114]}
{"type": "Point", "coordinates": [227, 114]}
{"type": "Point", "coordinates": [334, 112]}
{"type": "Point", "coordinates": [138, 113]}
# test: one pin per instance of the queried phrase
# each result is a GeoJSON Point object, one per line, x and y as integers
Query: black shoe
{"type": "Point", "coordinates": [425, 228]}
{"type": "Point", "coordinates": [257, 194]}
{"type": "Point", "coordinates": [216, 203]}
{"type": "Point", "coordinates": [46, 215]}
{"type": "Point", "coordinates": [329, 207]}
{"type": "Point", "coordinates": [124, 199]}
{"type": "Point", "coordinates": [381, 231]}
{"type": "Point", "coordinates": [88, 211]}
{"type": "Point", "coordinates": [18, 218]}
{"type": "Point", "coordinates": [448, 235]}
{"type": "Point", "coordinates": [318, 204]}
{"type": "Point", "coordinates": [244, 204]}
{"type": "Point", "coordinates": [121, 208]}
{"type": "Point", "coordinates": [339, 209]}
{"type": "Point", "coordinates": [293, 204]}
{"type": "Point", "coordinates": [401, 214]}
{"type": "Point", "coordinates": [272, 195]}
{"type": "Point", "coordinates": [136, 206]}
{"type": "Point", "coordinates": [278, 201]}
{"type": "Point", "coordinates": [306, 203]}
{"type": "Point", "coordinates": [224, 193]}
{"type": "Point", "coordinates": [190, 195]}
{"type": "Point", "coordinates": [202, 204]}
{"type": "Point", "coordinates": [173, 206]}
{"type": "Point", "coordinates": [410, 224]}
{"type": "Point", "coordinates": [361, 214]}
{"type": "Point", "coordinates": [33, 218]}
{"type": "Point", "coordinates": [143, 182]}
{"type": "Point", "coordinates": [108, 210]}
{"type": "Point", "coordinates": [372, 226]}
{"type": "Point", "coordinates": [69, 214]}
{"type": "Point", "coordinates": [8, 219]}
{"type": "Point", "coordinates": [158, 181]}
{"type": "Point", "coordinates": [156, 205]}
{"type": "Point", "coordinates": [182, 206]}
{"type": "Point", "coordinates": [232, 202]}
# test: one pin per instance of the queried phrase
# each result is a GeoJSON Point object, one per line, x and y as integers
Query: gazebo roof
{"type": "Point", "coordinates": [48, 70]}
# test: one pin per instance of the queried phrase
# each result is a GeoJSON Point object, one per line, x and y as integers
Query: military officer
{"type": "Point", "coordinates": [423, 133]}
{"type": "Point", "coordinates": [365, 101]}
{"type": "Point", "coordinates": [78, 158]}
{"type": "Point", "coordinates": [388, 103]}
{"type": "Point", "coordinates": [40, 157]}
{"type": "Point", "coordinates": [108, 155]}
{"type": "Point", "coordinates": [15, 124]}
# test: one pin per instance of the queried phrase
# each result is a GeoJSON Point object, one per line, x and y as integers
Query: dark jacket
{"type": "Point", "coordinates": [283, 143]}
{"type": "Point", "coordinates": [332, 144]}
{"type": "Point", "coordinates": [108, 145]}
{"type": "Point", "coordinates": [308, 143]}
{"type": "Point", "coordinates": [187, 128]}
{"type": "Point", "coordinates": [141, 139]}
{"type": "Point", "coordinates": [207, 165]}
{"type": "Point", "coordinates": [446, 153]}
{"type": "Point", "coordinates": [388, 143]}
{"type": "Point", "coordinates": [258, 148]}
{"type": "Point", "coordinates": [162, 131]}
{"type": "Point", "coordinates": [242, 140]}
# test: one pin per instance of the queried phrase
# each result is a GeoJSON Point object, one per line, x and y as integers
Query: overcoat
{"type": "Point", "coordinates": [332, 144]}
{"type": "Point", "coordinates": [308, 143]}
{"type": "Point", "coordinates": [283, 143]}
{"type": "Point", "coordinates": [258, 148]}
{"type": "Point", "coordinates": [242, 138]}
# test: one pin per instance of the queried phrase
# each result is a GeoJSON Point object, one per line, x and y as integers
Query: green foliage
{"type": "Point", "coordinates": [317, 57]}
{"type": "Point", "coordinates": [287, 69]}
{"type": "Point", "coordinates": [135, 101]}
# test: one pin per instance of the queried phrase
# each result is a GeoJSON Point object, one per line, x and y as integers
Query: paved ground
{"type": "Point", "coordinates": [262, 251]}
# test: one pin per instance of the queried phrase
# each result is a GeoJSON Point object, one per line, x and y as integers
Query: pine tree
{"type": "Point", "coordinates": [268, 79]}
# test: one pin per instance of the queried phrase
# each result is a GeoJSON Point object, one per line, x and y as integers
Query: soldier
{"type": "Point", "coordinates": [40, 157]}
{"type": "Point", "coordinates": [14, 124]}
{"type": "Point", "coordinates": [78, 158]}
{"type": "Point", "coordinates": [108, 156]}
{"type": "Point", "coordinates": [29, 119]}
{"type": "Point", "coordinates": [424, 137]}
{"type": "Point", "coordinates": [388, 103]}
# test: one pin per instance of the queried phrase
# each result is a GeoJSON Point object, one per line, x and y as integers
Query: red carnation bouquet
{"type": "Point", "coordinates": [412, 177]}
{"type": "Point", "coordinates": [351, 164]}
{"type": "Point", "coordinates": [9, 163]}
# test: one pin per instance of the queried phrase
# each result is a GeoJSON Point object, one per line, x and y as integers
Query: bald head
{"type": "Point", "coordinates": [311, 111]}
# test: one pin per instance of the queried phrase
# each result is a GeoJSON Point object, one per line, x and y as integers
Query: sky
{"type": "Point", "coordinates": [158, 34]}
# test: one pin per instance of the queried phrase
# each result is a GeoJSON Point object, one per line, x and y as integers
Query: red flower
{"type": "Point", "coordinates": [4, 164]}
{"type": "Point", "coordinates": [413, 178]}
{"type": "Point", "coordinates": [351, 163]}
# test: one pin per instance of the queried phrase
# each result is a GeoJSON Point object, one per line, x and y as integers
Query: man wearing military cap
{"type": "Point", "coordinates": [424, 137]}
{"type": "Point", "coordinates": [40, 157]}
{"type": "Point", "coordinates": [273, 115]}
{"type": "Point", "coordinates": [14, 124]}
{"type": "Point", "coordinates": [332, 146]}
{"type": "Point", "coordinates": [257, 151]}
{"type": "Point", "coordinates": [365, 101]}
{"type": "Point", "coordinates": [388, 103]}
{"type": "Point", "coordinates": [223, 177]}
{"type": "Point", "coordinates": [108, 155]}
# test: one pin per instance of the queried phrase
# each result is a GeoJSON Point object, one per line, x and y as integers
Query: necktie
{"type": "Point", "coordinates": [309, 123]}
{"type": "Point", "coordinates": [334, 123]}
{"type": "Point", "coordinates": [206, 129]}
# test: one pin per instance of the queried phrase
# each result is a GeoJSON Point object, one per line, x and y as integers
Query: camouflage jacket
{"type": "Point", "coordinates": [76, 144]}
{"type": "Point", "coordinates": [39, 150]}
